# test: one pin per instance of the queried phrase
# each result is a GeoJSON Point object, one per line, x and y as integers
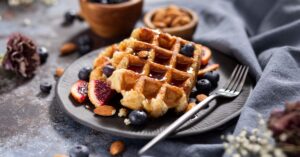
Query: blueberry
{"type": "Point", "coordinates": [84, 49]}
{"type": "Point", "coordinates": [187, 50]}
{"type": "Point", "coordinates": [45, 87]}
{"type": "Point", "coordinates": [84, 73]}
{"type": "Point", "coordinates": [69, 18]}
{"type": "Point", "coordinates": [137, 117]}
{"type": "Point", "coordinates": [43, 53]}
{"type": "Point", "coordinates": [108, 70]}
{"type": "Point", "coordinates": [213, 77]}
{"type": "Point", "coordinates": [204, 86]}
{"type": "Point", "coordinates": [194, 92]}
{"type": "Point", "coordinates": [79, 151]}
{"type": "Point", "coordinates": [84, 40]}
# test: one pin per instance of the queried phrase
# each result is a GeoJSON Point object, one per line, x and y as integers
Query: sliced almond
{"type": "Point", "coordinates": [68, 48]}
{"type": "Point", "coordinates": [105, 110]}
{"type": "Point", "coordinates": [59, 72]}
{"type": "Point", "coordinates": [201, 97]}
{"type": "Point", "coordinates": [117, 148]}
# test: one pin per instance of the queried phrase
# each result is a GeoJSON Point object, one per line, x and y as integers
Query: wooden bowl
{"type": "Point", "coordinates": [111, 20]}
{"type": "Point", "coordinates": [186, 31]}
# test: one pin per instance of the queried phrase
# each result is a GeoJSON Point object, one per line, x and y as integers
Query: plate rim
{"type": "Point", "coordinates": [128, 134]}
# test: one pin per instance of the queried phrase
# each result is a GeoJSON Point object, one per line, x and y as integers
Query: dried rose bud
{"type": "Point", "coordinates": [21, 56]}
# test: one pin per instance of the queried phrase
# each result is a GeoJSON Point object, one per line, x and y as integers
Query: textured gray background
{"type": "Point", "coordinates": [261, 34]}
{"type": "Point", "coordinates": [32, 124]}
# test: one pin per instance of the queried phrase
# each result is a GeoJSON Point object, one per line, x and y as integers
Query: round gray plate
{"type": "Point", "coordinates": [218, 113]}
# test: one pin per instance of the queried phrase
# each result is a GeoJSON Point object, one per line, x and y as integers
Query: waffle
{"type": "Point", "coordinates": [150, 72]}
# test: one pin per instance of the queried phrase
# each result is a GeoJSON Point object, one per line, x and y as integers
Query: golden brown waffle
{"type": "Point", "coordinates": [150, 73]}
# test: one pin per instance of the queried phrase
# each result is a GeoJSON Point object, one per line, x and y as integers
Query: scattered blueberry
{"type": "Point", "coordinates": [84, 73]}
{"type": "Point", "coordinates": [69, 18]}
{"type": "Point", "coordinates": [138, 117]}
{"type": "Point", "coordinates": [45, 87]}
{"type": "Point", "coordinates": [194, 92]}
{"type": "Point", "coordinates": [213, 77]}
{"type": "Point", "coordinates": [84, 49]}
{"type": "Point", "coordinates": [204, 86]}
{"type": "Point", "coordinates": [187, 50]}
{"type": "Point", "coordinates": [79, 151]}
{"type": "Point", "coordinates": [43, 53]}
{"type": "Point", "coordinates": [108, 70]}
{"type": "Point", "coordinates": [84, 40]}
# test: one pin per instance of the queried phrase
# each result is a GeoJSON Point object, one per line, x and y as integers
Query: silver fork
{"type": "Point", "coordinates": [231, 89]}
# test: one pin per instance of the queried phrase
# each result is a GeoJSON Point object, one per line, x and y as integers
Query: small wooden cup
{"type": "Point", "coordinates": [186, 31]}
{"type": "Point", "coordinates": [111, 20]}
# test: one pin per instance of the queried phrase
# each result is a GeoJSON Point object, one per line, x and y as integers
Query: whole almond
{"type": "Point", "coordinates": [117, 148]}
{"type": "Point", "coordinates": [201, 97]}
{"type": "Point", "coordinates": [105, 110]}
{"type": "Point", "coordinates": [68, 48]}
{"type": "Point", "coordinates": [59, 72]}
{"type": "Point", "coordinates": [176, 22]}
{"type": "Point", "coordinates": [160, 24]}
{"type": "Point", "coordinates": [159, 15]}
{"type": "Point", "coordinates": [190, 106]}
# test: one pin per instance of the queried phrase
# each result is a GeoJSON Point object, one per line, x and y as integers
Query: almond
{"type": "Point", "coordinates": [59, 72]}
{"type": "Point", "coordinates": [159, 15]}
{"type": "Point", "coordinates": [201, 97]}
{"type": "Point", "coordinates": [117, 148]}
{"type": "Point", "coordinates": [176, 22]}
{"type": "Point", "coordinates": [105, 110]}
{"type": "Point", "coordinates": [68, 48]}
{"type": "Point", "coordinates": [160, 24]}
{"type": "Point", "coordinates": [190, 106]}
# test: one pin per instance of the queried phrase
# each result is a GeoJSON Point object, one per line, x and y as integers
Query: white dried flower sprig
{"type": "Point", "coordinates": [257, 143]}
{"type": "Point", "coordinates": [25, 2]}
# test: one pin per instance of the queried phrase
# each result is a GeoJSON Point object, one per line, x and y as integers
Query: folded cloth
{"type": "Point", "coordinates": [263, 34]}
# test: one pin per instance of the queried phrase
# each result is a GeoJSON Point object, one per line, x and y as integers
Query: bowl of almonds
{"type": "Point", "coordinates": [172, 19]}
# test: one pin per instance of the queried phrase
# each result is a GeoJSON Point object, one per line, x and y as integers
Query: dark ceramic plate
{"type": "Point", "coordinates": [218, 113]}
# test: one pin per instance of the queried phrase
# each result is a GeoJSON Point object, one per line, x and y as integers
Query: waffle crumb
{"type": "Point", "coordinates": [127, 121]}
{"type": "Point", "coordinates": [201, 97]}
{"type": "Point", "coordinates": [122, 112]}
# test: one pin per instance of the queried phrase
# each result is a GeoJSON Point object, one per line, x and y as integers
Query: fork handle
{"type": "Point", "coordinates": [181, 120]}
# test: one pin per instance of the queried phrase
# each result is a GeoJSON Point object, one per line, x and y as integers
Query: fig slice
{"type": "Point", "coordinates": [79, 91]}
{"type": "Point", "coordinates": [99, 92]}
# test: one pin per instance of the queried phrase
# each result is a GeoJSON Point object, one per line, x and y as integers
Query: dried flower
{"type": "Point", "coordinates": [285, 125]}
{"type": "Point", "coordinates": [21, 56]}
{"type": "Point", "coordinates": [257, 143]}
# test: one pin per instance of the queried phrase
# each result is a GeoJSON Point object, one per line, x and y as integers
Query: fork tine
{"type": "Point", "coordinates": [238, 80]}
{"type": "Point", "coordinates": [231, 77]}
{"type": "Point", "coordinates": [243, 80]}
{"type": "Point", "coordinates": [236, 76]}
